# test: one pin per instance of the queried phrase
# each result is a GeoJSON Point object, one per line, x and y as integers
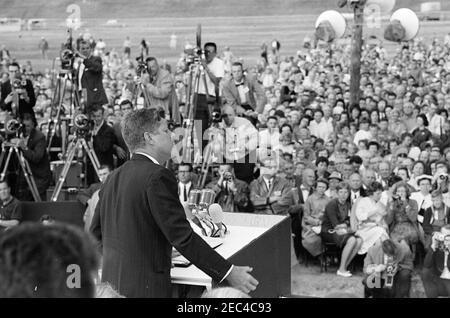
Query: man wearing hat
{"type": "Point", "coordinates": [423, 196]}
{"type": "Point", "coordinates": [334, 179]}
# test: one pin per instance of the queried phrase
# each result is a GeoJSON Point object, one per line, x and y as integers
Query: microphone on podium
{"type": "Point", "coordinates": [216, 213]}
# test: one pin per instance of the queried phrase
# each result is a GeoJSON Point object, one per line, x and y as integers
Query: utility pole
{"type": "Point", "coordinates": [357, 42]}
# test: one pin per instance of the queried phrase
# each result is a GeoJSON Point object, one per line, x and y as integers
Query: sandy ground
{"type": "Point", "coordinates": [309, 281]}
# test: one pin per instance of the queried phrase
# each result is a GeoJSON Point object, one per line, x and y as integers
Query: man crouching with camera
{"type": "Point", "coordinates": [388, 267]}
{"type": "Point", "coordinates": [436, 271]}
{"type": "Point", "coordinates": [17, 94]}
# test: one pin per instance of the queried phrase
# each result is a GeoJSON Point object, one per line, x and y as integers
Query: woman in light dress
{"type": "Point", "coordinates": [368, 218]}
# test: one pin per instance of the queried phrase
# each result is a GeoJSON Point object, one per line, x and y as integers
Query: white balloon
{"type": "Point", "coordinates": [384, 5]}
{"type": "Point", "coordinates": [409, 20]}
{"type": "Point", "coordinates": [336, 19]}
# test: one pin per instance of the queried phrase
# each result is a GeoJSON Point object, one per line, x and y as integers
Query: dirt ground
{"type": "Point", "coordinates": [309, 281]}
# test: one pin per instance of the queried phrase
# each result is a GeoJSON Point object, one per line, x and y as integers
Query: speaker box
{"type": "Point", "coordinates": [74, 175]}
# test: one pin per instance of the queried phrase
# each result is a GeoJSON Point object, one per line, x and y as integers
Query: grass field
{"type": "Point", "coordinates": [242, 25]}
{"type": "Point", "coordinates": [244, 34]}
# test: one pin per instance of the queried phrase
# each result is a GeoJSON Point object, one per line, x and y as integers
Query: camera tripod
{"type": "Point", "coordinates": [210, 154]}
{"type": "Point", "coordinates": [195, 74]}
{"type": "Point", "coordinates": [78, 142]}
{"type": "Point", "coordinates": [54, 123]}
{"type": "Point", "coordinates": [28, 175]}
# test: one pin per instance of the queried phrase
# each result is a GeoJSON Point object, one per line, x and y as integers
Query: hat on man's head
{"type": "Point", "coordinates": [401, 151]}
{"type": "Point", "coordinates": [424, 177]}
{"type": "Point", "coordinates": [335, 175]}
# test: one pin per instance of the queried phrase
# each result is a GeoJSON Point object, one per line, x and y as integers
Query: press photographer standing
{"type": "Point", "coordinates": [209, 97]}
{"type": "Point", "coordinates": [161, 90]}
{"type": "Point", "coordinates": [17, 94]}
{"type": "Point", "coordinates": [89, 74]}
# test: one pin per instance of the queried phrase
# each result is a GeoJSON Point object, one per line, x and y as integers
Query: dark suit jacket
{"type": "Point", "coordinates": [259, 194]}
{"type": "Point", "coordinates": [92, 81]}
{"type": "Point", "coordinates": [37, 157]}
{"type": "Point", "coordinates": [138, 219]}
{"type": "Point", "coordinates": [229, 201]}
{"type": "Point", "coordinates": [256, 97]}
{"type": "Point", "coordinates": [427, 224]}
{"type": "Point", "coordinates": [104, 143]}
{"type": "Point", "coordinates": [24, 107]}
{"type": "Point", "coordinates": [120, 142]}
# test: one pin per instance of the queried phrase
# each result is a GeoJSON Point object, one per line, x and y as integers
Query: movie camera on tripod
{"type": "Point", "coordinates": [68, 54]}
{"type": "Point", "coordinates": [13, 127]}
{"type": "Point", "coordinates": [194, 55]}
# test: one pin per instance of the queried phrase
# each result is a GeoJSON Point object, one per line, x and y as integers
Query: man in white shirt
{"type": "Point", "coordinates": [423, 197]}
{"type": "Point", "coordinates": [319, 128]}
{"type": "Point", "coordinates": [241, 140]}
{"type": "Point", "coordinates": [208, 96]}
{"type": "Point", "coordinates": [363, 133]}
{"type": "Point", "coordinates": [436, 121]}
{"type": "Point", "coordinates": [185, 184]}
{"type": "Point", "coordinates": [269, 138]}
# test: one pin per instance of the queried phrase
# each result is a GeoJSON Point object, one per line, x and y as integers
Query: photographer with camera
{"type": "Point", "coordinates": [232, 194]}
{"type": "Point", "coordinates": [89, 74]}
{"type": "Point", "coordinates": [208, 100]}
{"type": "Point", "coordinates": [161, 89]}
{"type": "Point", "coordinates": [17, 94]}
{"type": "Point", "coordinates": [435, 272]}
{"type": "Point", "coordinates": [34, 147]}
{"type": "Point", "coordinates": [388, 267]}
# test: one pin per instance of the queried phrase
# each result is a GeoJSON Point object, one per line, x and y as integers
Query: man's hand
{"type": "Point", "coordinates": [274, 198]}
{"type": "Point", "coordinates": [9, 98]}
{"type": "Point", "coordinates": [241, 279]}
{"type": "Point", "coordinates": [24, 95]}
{"type": "Point", "coordinates": [122, 154]}
{"type": "Point", "coordinates": [380, 268]}
{"type": "Point", "coordinates": [22, 144]}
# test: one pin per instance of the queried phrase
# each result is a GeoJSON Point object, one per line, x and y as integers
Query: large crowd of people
{"type": "Point", "coordinates": [371, 178]}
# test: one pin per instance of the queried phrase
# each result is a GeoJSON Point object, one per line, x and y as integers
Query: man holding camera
{"type": "Point", "coordinates": [34, 148]}
{"type": "Point", "coordinates": [208, 97]}
{"type": "Point", "coordinates": [388, 267]}
{"type": "Point", "coordinates": [161, 90]}
{"type": "Point", "coordinates": [244, 94]}
{"type": "Point", "coordinates": [89, 71]}
{"type": "Point", "coordinates": [435, 272]}
{"type": "Point", "coordinates": [232, 194]}
{"type": "Point", "coordinates": [17, 94]}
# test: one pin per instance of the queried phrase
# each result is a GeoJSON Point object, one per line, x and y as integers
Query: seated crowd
{"type": "Point", "coordinates": [370, 178]}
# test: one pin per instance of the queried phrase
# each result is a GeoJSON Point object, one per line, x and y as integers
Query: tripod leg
{"type": "Point", "coordinates": [70, 154]}
{"type": "Point", "coordinates": [146, 98]}
{"type": "Point", "coordinates": [8, 158]}
{"type": "Point", "coordinates": [92, 156]}
{"type": "Point", "coordinates": [27, 173]}
{"type": "Point", "coordinates": [56, 121]}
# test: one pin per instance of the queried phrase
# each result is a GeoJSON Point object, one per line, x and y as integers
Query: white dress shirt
{"type": "Point", "coordinates": [181, 187]}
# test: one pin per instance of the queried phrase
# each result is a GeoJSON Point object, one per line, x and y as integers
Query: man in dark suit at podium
{"type": "Point", "coordinates": [139, 218]}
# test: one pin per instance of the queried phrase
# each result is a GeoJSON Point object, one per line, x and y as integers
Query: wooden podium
{"type": "Point", "coordinates": [259, 241]}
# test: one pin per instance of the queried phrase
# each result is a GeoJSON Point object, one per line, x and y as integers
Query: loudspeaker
{"type": "Point", "coordinates": [404, 26]}
{"type": "Point", "coordinates": [330, 25]}
{"type": "Point", "coordinates": [73, 179]}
